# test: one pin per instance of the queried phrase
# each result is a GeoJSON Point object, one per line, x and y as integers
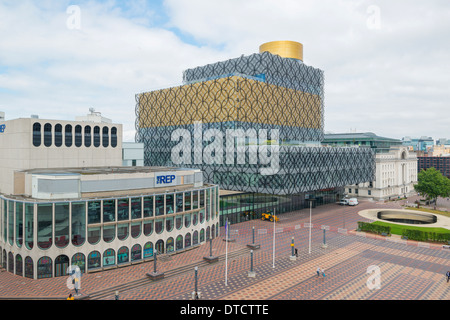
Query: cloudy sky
{"type": "Point", "coordinates": [386, 62]}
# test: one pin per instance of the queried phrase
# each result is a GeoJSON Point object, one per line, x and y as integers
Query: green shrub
{"type": "Point", "coordinates": [373, 228]}
{"type": "Point", "coordinates": [419, 235]}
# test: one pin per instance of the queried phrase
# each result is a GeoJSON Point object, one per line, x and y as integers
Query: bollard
{"type": "Point", "coordinates": [293, 257]}
{"type": "Point", "coordinates": [324, 245]}
{"type": "Point", "coordinates": [251, 273]}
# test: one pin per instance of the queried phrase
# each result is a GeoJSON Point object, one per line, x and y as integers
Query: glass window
{"type": "Point", "coordinates": [29, 268]}
{"type": "Point", "coordinates": [202, 198]}
{"type": "Point", "coordinates": [94, 212]}
{"type": "Point", "coordinates": [123, 211]}
{"type": "Point", "coordinates": [44, 267]}
{"type": "Point", "coordinates": [179, 242]}
{"type": "Point", "coordinates": [78, 259]}
{"type": "Point", "coordinates": [169, 203]}
{"type": "Point", "coordinates": [148, 227]}
{"type": "Point", "coordinates": [78, 136]}
{"type": "Point", "coordinates": [5, 219]}
{"type": "Point", "coordinates": [187, 240]}
{"type": "Point", "coordinates": [36, 134]}
{"type": "Point", "coordinates": [68, 135]}
{"type": "Point", "coordinates": [29, 225]}
{"type": "Point", "coordinates": [122, 255]}
{"type": "Point", "coordinates": [94, 260]}
{"type": "Point", "coordinates": [169, 245]}
{"type": "Point", "coordinates": [47, 134]}
{"type": "Point", "coordinates": [96, 136]}
{"type": "Point", "coordinates": [159, 226]}
{"type": "Point", "coordinates": [136, 208]}
{"type": "Point", "coordinates": [194, 218]}
{"type": "Point", "coordinates": [169, 224]}
{"type": "Point", "coordinates": [113, 137]}
{"type": "Point", "coordinates": [195, 200]}
{"type": "Point", "coordinates": [109, 210]}
{"type": "Point", "coordinates": [58, 135]}
{"type": "Point", "coordinates": [159, 205]}
{"type": "Point", "coordinates": [179, 222]}
{"type": "Point", "coordinates": [78, 223]}
{"type": "Point", "coordinates": [62, 224]}
{"type": "Point", "coordinates": [202, 235]}
{"type": "Point", "coordinates": [19, 224]}
{"type": "Point", "coordinates": [87, 136]}
{"type": "Point", "coordinates": [159, 247]}
{"type": "Point", "coordinates": [122, 231]}
{"type": "Point", "coordinates": [195, 238]}
{"type": "Point", "coordinates": [202, 215]}
{"type": "Point", "coordinates": [148, 207]}
{"type": "Point", "coordinates": [187, 201]}
{"type": "Point", "coordinates": [105, 137]}
{"type": "Point", "coordinates": [148, 250]}
{"type": "Point", "coordinates": [11, 222]}
{"type": "Point", "coordinates": [109, 257]}
{"type": "Point", "coordinates": [136, 252]}
{"type": "Point", "coordinates": [136, 229]}
{"type": "Point", "coordinates": [109, 233]}
{"type": "Point", "coordinates": [19, 265]}
{"type": "Point", "coordinates": [187, 220]}
{"type": "Point", "coordinates": [93, 235]}
{"type": "Point", "coordinates": [44, 225]}
{"type": "Point", "coordinates": [179, 199]}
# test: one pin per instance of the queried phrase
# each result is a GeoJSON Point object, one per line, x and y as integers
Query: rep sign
{"type": "Point", "coordinates": [165, 179]}
{"type": "Point", "coordinates": [2, 128]}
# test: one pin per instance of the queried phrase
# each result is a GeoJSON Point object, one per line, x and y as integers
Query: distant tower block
{"type": "Point", "coordinates": [285, 49]}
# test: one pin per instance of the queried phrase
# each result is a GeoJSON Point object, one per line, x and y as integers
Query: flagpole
{"type": "Point", "coordinates": [226, 252]}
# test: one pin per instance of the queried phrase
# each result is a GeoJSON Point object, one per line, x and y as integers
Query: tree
{"type": "Point", "coordinates": [433, 184]}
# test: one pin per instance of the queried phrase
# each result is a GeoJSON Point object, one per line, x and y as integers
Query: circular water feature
{"type": "Point", "coordinates": [408, 217]}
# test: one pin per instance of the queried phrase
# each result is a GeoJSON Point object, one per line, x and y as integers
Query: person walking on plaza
{"type": "Point", "coordinates": [448, 276]}
{"type": "Point", "coordinates": [323, 273]}
{"type": "Point", "coordinates": [318, 272]}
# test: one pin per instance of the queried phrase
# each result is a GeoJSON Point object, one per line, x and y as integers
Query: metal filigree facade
{"type": "Point", "coordinates": [268, 98]}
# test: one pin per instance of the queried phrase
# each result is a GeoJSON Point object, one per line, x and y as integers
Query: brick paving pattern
{"type": "Point", "coordinates": [409, 270]}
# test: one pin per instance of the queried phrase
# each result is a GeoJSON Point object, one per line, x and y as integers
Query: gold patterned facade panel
{"type": "Point", "coordinates": [230, 99]}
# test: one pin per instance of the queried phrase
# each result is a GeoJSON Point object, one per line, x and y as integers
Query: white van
{"type": "Point", "coordinates": [352, 202]}
{"type": "Point", "coordinates": [343, 202]}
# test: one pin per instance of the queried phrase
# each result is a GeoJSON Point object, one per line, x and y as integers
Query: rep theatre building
{"type": "Point", "coordinates": [95, 213]}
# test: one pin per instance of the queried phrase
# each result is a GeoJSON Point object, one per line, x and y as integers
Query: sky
{"type": "Point", "coordinates": [386, 62]}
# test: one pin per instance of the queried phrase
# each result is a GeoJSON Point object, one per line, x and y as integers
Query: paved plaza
{"type": "Point", "coordinates": [408, 270]}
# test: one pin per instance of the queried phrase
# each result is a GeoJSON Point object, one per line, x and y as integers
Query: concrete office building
{"type": "Point", "coordinates": [66, 200]}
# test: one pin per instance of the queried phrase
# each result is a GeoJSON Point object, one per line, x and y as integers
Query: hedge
{"type": "Point", "coordinates": [373, 228]}
{"type": "Point", "coordinates": [419, 235]}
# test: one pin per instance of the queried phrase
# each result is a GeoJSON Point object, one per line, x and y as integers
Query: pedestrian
{"type": "Point", "coordinates": [296, 252]}
{"type": "Point", "coordinates": [77, 286]}
{"type": "Point", "coordinates": [448, 276]}
{"type": "Point", "coordinates": [318, 272]}
{"type": "Point", "coordinates": [323, 273]}
{"type": "Point", "coordinates": [70, 297]}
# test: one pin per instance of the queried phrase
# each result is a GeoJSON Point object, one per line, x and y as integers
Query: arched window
{"type": "Point", "coordinates": [123, 231]}
{"type": "Point", "coordinates": [61, 265]}
{"type": "Point", "coordinates": [47, 134]}
{"type": "Point", "coordinates": [68, 135]}
{"type": "Point", "coordinates": [58, 135]}
{"type": "Point", "coordinates": [136, 229]}
{"type": "Point", "coordinates": [87, 136]}
{"type": "Point", "coordinates": [159, 246]}
{"type": "Point", "coordinates": [96, 136]}
{"type": "Point", "coordinates": [109, 233]}
{"type": "Point", "coordinates": [113, 137]}
{"type": "Point", "coordinates": [105, 137]}
{"type": "Point", "coordinates": [202, 235]}
{"type": "Point", "coordinates": [44, 225]}
{"type": "Point", "coordinates": [195, 238]}
{"type": "Point", "coordinates": [94, 235]}
{"type": "Point", "coordinates": [44, 268]}
{"type": "Point", "coordinates": [109, 258]}
{"type": "Point", "coordinates": [169, 245]}
{"type": "Point", "coordinates": [94, 260]}
{"type": "Point", "coordinates": [29, 268]}
{"type": "Point", "coordinates": [78, 223]}
{"type": "Point", "coordinates": [36, 134]}
{"type": "Point", "coordinates": [187, 240]}
{"type": "Point", "coordinates": [148, 227]}
{"type": "Point", "coordinates": [169, 224]}
{"type": "Point", "coordinates": [11, 262]}
{"type": "Point", "coordinates": [29, 223]}
{"type": "Point", "coordinates": [179, 242]}
{"type": "Point", "coordinates": [148, 250]}
{"type": "Point", "coordinates": [159, 226]}
{"type": "Point", "coordinates": [79, 260]}
{"type": "Point", "coordinates": [19, 265]}
{"type": "Point", "coordinates": [123, 255]}
{"type": "Point", "coordinates": [78, 136]}
{"type": "Point", "coordinates": [136, 252]}
{"type": "Point", "coordinates": [179, 222]}
{"type": "Point", "coordinates": [62, 224]}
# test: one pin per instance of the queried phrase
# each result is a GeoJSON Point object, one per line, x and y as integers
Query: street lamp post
{"type": "Point", "coordinates": [310, 213]}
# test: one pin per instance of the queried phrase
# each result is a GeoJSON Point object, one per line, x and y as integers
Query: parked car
{"type": "Point", "coordinates": [352, 202]}
{"type": "Point", "coordinates": [343, 202]}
